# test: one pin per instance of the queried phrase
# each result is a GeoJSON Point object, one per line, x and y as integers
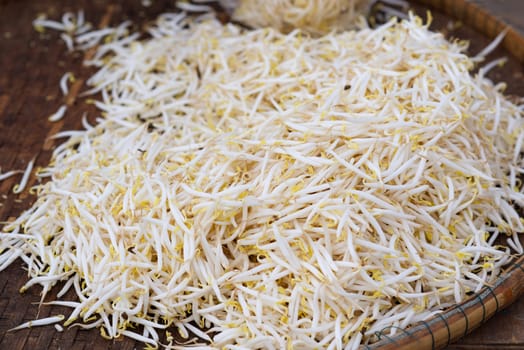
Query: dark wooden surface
{"type": "Point", "coordinates": [31, 65]}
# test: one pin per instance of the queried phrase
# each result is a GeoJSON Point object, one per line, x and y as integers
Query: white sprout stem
{"type": "Point", "coordinates": [40, 322]}
{"type": "Point", "coordinates": [9, 174]}
{"type": "Point", "coordinates": [58, 115]}
{"type": "Point", "coordinates": [491, 47]}
{"type": "Point", "coordinates": [186, 6]}
{"type": "Point", "coordinates": [67, 77]}
{"type": "Point", "coordinates": [25, 177]}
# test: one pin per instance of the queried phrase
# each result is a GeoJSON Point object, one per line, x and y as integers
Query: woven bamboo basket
{"type": "Point", "coordinates": [459, 320]}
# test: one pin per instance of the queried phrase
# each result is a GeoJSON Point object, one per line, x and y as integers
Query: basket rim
{"type": "Point", "coordinates": [454, 323]}
{"type": "Point", "coordinates": [479, 19]}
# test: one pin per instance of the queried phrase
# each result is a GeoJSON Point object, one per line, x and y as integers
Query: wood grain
{"type": "Point", "coordinates": [31, 65]}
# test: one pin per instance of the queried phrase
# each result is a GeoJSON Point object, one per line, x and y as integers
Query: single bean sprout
{"type": "Point", "coordinates": [39, 322]}
{"type": "Point", "coordinates": [67, 77]}
{"type": "Point", "coordinates": [147, 3]}
{"type": "Point", "coordinates": [58, 115]}
{"type": "Point", "coordinates": [269, 190]}
{"type": "Point", "coordinates": [8, 174]}
{"type": "Point", "coordinates": [25, 178]}
{"type": "Point", "coordinates": [491, 47]}
{"type": "Point", "coordinates": [186, 6]}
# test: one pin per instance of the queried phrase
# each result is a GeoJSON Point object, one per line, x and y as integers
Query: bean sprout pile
{"type": "Point", "coordinates": [313, 16]}
{"type": "Point", "coordinates": [267, 190]}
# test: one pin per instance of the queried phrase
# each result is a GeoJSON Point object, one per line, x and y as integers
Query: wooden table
{"type": "Point", "coordinates": [31, 66]}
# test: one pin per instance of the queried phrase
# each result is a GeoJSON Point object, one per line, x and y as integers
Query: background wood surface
{"type": "Point", "coordinates": [31, 65]}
